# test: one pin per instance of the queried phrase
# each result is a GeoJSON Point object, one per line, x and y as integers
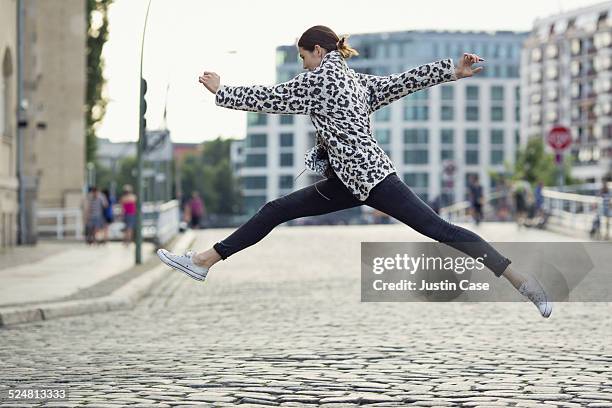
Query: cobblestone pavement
{"type": "Point", "coordinates": [281, 323]}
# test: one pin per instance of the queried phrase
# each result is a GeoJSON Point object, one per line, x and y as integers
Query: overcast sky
{"type": "Point", "coordinates": [237, 39]}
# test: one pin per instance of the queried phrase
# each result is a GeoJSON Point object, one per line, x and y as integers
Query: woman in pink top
{"type": "Point", "coordinates": [128, 205]}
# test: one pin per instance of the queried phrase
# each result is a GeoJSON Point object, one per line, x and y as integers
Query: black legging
{"type": "Point", "coordinates": [391, 196]}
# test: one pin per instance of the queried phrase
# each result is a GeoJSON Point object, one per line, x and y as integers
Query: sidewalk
{"type": "Point", "coordinates": [62, 279]}
{"type": "Point", "coordinates": [58, 275]}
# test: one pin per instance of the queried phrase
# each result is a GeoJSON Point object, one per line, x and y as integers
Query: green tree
{"type": "Point", "coordinates": [97, 34]}
{"type": "Point", "coordinates": [533, 163]}
{"type": "Point", "coordinates": [124, 173]}
{"type": "Point", "coordinates": [211, 175]}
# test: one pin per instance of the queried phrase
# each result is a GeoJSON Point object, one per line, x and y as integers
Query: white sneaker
{"type": "Point", "coordinates": [183, 263]}
{"type": "Point", "coordinates": [534, 291]}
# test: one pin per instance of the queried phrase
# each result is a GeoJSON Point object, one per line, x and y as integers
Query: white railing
{"type": "Point", "coordinates": [460, 211]}
{"type": "Point", "coordinates": [571, 212]}
{"type": "Point", "coordinates": [66, 221]}
{"type": "Point", "coordinates": [168, 220]}
{"type": "Point", "coordinates": [160, 222]}
{"type": "Point", "coordinates": [577, 212]}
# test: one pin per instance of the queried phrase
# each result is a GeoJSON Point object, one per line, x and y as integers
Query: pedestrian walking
{"type": "Point", "coordinates": [357, 171]}
{"type": "Point", "coordinates": [476, 199]}
{"type": "Point", "coordinates": [196, 210]}
{"type": "Point", "coordinates": [520, 193]}
{"type": "Point", "coordinates": [128, 209]}
{"type": "Point", "coordinates": [94, 215]}
{"type": "Point", "coordinates": [108, 213]}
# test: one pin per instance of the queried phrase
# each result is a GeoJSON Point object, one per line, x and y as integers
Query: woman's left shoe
{"type": "Point", "coordinates": [183, 263]}
{"type": "Point", "coordinates": [534, 291]}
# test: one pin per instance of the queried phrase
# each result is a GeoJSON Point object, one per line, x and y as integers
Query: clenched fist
{"type": "Point", "coordinates": [210, 80]}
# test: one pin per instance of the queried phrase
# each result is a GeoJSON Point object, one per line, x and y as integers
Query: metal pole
{"type": "Point", "coordinates": [21, 123]}
{"type": "Point", "coordinates": [139, 152]}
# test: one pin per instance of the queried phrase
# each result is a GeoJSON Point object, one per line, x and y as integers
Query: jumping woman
{"type": "Point", "coordinates": [357, 170]}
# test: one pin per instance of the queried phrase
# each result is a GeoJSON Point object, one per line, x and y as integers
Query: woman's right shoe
{"type": "Point", "coordinates": [534, 291]}
{"type": "Point", "coordinates": [183, 263]}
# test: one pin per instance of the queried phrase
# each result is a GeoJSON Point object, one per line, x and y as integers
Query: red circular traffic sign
{"type": "Point", "coordinates": [559, 138]}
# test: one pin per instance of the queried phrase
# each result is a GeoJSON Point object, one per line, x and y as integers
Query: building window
{"type": "Point", "coordinates": [497, 113]}
{"type": "Point", "coordinates": [497, 146]}
{"type": "Point", "coordinates": [416, 113]}
{"type": "Point", "coordinates": [421, 95]}
{"type": "Point", "coordinates": [415, 136]}
{"type": "Point", "coordinates": [255, 160]}
{"type": "Point", "coordinates": [252, 204]}
{"type": "Point", "coordinates": [286, 139]}
{"type": "Point", "coordinates": [497, 136]}
{"type": "Point", "coordinates": [517, 113]}
{"type": "Point", "coordinates": [447, 113]}
{"type": "Point", "coordinates": [383, 114]}
{"type": "Point", "coordinates": [285, 182]}
{"type": "Point", "coordinates": [497, 156]}
{"type": "Point", "coordinates": [447, 136]}
{"type": "Point", "coordinates": [286, 119]}
{"type": "Point", "coordinates": [311, 139]}
{"type": "Point", "coordinates": [286, 159]}
{"type": "Point", "coordinates": [416, 156]}
{"type": "Point", "coordinates": [256, 140]}
{"type": "Point", "coordinates": [418, 180]}
{"type": "Point", "coordinates": [447, 92]}
{"type": "Point", "coordinates": [497, 93]}
{"type": "Point", "coordinates": [254, 182]}
{"type": "Point", "coordinates": [472, 136]}
{"type": "Point", "coordinates": [256, 119]}
{"type": "Point", "coordinates": [5, 94]}
{"type": "Point", "coordinates": [471, 113]}
{"type": "Point", "coordinates": [447, 154]}
{"type": "Point", "coordinates": [415, 106]}
{"type": "Point", "coordinates": [471, 156]}
{"type": "Point", "coordinates": [383, 136]}
{"type": "Point", "coordinates": [286, 55]}
{"type": "Point", "coordinates": [471, 93]}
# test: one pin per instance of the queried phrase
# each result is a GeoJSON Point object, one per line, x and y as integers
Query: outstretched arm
{"type": "Point", "coordinates": [386, 89]}
{"type": "Point", "coordinates": [300, 95]}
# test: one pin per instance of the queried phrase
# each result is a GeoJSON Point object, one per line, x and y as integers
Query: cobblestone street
{"type": "Point", "coordinates": [281, 323]}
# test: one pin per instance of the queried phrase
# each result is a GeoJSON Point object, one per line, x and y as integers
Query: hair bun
{"type": "Point", "coordinates": [340, 42]}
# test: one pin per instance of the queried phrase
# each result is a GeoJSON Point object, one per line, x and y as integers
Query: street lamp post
{"type": "Point", "coordinates": [140, 148]}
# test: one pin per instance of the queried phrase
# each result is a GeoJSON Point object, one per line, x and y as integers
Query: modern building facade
{"type": "Point", "coordinates": [8, 124]}
{"type": "Point", "coordinates": [566, 78]}
{"type": "Point", "coordinates": [472, 123]}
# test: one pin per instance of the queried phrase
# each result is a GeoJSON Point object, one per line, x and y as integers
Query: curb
{"type": "Point", "coordinates": [124, 297]}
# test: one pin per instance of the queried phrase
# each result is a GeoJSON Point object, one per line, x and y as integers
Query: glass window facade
{"type": "Point", "coordinates": [416, 156]}
{"type": "Point", "coordinates": [255, 160]}
{"type": "Point", "coordinates": [286, 139]}
{"type": "Point", "coordinates": [285, 182]}
{"type": "Point", "coordinates": [286, 159]}
{"type": "Point", "coordinates": [255, 182]}
{"type": "Point", "coordinates": [286, 119]}
{"type": "Point", "coordinates": [417, 135]}
{"type": "Point", "coordinates": [447, 113]}
{"type": "Point", "coordinates": [497, 113]}
{"type": "Point", "coordinates": [447, 136]}
{"type": "Point", "coordinates": [471, 113]}
{"type": "Point", "coordinates": [256, 140]}
{"type": "Point", "coordinates": [255, 118]}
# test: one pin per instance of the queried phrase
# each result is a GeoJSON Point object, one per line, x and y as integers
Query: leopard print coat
{"type": "Point", "coordinates": [340, 103]}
